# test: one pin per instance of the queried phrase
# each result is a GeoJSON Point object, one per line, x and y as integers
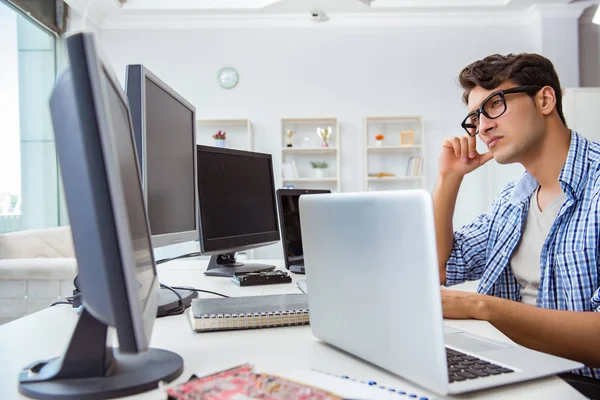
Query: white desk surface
{"type": "Point", "coordinates": [44, 335]}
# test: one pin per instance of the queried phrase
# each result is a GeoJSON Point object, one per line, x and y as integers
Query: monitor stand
{"type": "Point", "coordinates": [90, 369]}
{"type": "Point", "coordinates": [226, 265]}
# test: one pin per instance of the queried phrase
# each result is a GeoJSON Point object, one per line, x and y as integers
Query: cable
{"type": "Point", "coordinates": [199, 290]}
{"type": "Point", "coordinates": [61, 302]}
{"type": "Point", "coordinates": [181, 308]}
{"type": "Point", "coordinates": [164, 260]}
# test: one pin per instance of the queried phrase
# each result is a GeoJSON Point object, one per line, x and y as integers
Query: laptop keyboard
{"type": "Point", "coordinates": [462, 366]}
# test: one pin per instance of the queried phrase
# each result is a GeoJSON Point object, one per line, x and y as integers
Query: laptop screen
{"type": "Point", "coordinates": [289, 217]}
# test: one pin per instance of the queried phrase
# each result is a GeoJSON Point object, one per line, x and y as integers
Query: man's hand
{"type": "Point", "coordinates": [462, 305]}
{"type": "Point", "coordinates": [459, 156]}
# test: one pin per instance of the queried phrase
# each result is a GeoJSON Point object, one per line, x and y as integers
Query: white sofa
{"type": "Point", "coordinates": [37, 268]}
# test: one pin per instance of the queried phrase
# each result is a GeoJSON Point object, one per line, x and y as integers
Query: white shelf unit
{"type": "Point", "coordinates": [391, 158]}
{"type": "Point", "coordinates": [306, 147]}
{"type": "Point", "coordinates": [239, 132]}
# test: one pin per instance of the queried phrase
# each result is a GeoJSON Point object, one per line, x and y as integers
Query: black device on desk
{"type": "Point", "coordinates": [261, 278]}
{"type": "Point", "coordinates": [289, 220]}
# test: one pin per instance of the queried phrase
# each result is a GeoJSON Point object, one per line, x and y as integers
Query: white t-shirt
{"type": "Point", "coordinates": [525, 261]}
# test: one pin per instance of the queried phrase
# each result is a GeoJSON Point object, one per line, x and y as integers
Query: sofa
{"type": "Point", "coordinates": [37, 268]}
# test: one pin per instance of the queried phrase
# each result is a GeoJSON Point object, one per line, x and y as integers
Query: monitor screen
{"type": "Point", "coordinates": [165, 136]}
{"type": "Point", "coordinates": [236, 198]}
{"type": "Point", "coordinates": [170, 165]}
{"type": "Point", "coordinates": [138, 228]}
{"type": "Point", "coordinates": [289, 218]}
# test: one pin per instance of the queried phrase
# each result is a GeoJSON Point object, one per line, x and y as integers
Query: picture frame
{"type": "Point", "coordinates": [407, 137]}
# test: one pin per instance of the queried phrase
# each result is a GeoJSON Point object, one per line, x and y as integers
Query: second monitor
{"type": "Point", "coordinates": [236, 196]}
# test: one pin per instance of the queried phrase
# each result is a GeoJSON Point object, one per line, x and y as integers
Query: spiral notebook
{"type": "Point", "coordinates": [249, 312]}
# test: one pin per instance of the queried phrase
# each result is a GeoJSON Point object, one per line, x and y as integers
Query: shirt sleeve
{"type": "Point", "coordinates": [596, 301]}
{"type": "Point", "coordinates": [467, 258]}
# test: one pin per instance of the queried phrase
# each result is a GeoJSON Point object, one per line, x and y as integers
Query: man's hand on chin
{"type": "Point", "coordinates": [463, 305]}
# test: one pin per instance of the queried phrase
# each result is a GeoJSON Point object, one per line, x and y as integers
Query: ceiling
{"type": "Point", "coordinates": [179, 13]}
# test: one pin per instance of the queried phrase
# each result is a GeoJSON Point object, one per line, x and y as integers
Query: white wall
{"type": "Point", "coordinates": [343, 73]}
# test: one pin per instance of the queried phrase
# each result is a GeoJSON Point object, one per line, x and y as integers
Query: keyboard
{"type": "Point", "coordinates": [462, 366]}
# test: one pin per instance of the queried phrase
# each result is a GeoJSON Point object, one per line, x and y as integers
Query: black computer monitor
{"type": "Point", "coordinates": [289, 221]}
{"type": "Point", "coordinates": [117, 273]}
{"type": "Point", "coordinates": [236, 197]}
{"type": "Point", "coordinates": [164, 124]}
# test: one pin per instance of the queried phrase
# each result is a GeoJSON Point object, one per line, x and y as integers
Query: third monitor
{"type": "Point", "coordinates": [236, 197]}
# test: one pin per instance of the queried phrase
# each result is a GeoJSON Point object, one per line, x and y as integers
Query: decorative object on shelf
{"type": "Point", "coordinates": [382, 175]}
{"type": "Point", "coordinates": [219, 139]}
{"type": "Point", "coordinates": [407, 137]}
{"type": "Point", "coordinates": [318, 167]}
{"type": "Point", "coordinates": [228, 78]}
{"type": "Point", "coordinates": [379, 140]}
{"type": "Point", "coordinates": [324, 134]}
{"type": "Point", "coordinates": [289, 133]}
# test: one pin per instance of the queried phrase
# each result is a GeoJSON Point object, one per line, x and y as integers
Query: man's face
{"type": "Point", "coordinates": [514, 134]}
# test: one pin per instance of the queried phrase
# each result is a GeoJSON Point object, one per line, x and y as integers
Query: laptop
{"type": "Point", "coordinates": [289, 224]}
{"type": "Point", "coordinates": [375, 293]}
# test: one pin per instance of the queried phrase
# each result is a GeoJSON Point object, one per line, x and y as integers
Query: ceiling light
{"type": "Point", "coordinates": [596, 19]}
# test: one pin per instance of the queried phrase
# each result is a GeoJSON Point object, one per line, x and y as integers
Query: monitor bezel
{"type": "Point", "coordinates": [135, 77]}
{"type": "Point", "coordinates": [241, 242]}
{"type": "Point", "coordinates": [141, 320]}
{"type": "Point", "coordinates": [289, 193]}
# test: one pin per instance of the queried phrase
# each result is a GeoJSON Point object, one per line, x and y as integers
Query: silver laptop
{"type": "Point", "coordinates": [375, 293]}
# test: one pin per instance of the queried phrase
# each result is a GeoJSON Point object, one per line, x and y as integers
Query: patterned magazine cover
{"type": "Point", "coordinates": [242, 383]}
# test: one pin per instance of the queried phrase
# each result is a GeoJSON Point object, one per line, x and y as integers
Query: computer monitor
{"type": "Point", "coordinates": [289, 221]}
{"type": "Point", "coordinates": [236, 197]}
{"type": "Point", "coordinates": [117, 273]}
{"type": "Point", "coordinates": [164, 125]}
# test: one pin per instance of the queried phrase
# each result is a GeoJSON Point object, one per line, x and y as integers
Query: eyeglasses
{"type": "Point", "coordinates": [493, 107]}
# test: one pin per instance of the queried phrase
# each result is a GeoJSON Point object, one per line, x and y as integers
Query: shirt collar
{"type": "Point", "coordinates": [571, 177]}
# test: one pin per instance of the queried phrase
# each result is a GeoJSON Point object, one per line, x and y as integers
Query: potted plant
{"type": "Point", "coordinates": [219, 139]}
{"type": "Point", "coordinates": [319, 167]}
{"type": "Point", "coordinates": [379, 140]}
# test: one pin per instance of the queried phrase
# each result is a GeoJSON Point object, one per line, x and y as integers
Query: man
{"type": "Point", "coordinates": [536, 250]}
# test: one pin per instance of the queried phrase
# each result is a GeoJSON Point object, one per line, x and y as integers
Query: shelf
{"type": "Point", "coordinates": [393, 148]}
{"type": "Point", "coordinates": [394, 178]}
{"type": "Point", "coordinates": [311, 180]}
{"type": "Point", "coordinates": [384, 120]}
{"type": "Point", "coordinates": [222, 121]}
{"type": "Point", "coordinates": [293, 121]}
{"type": "Point", "coordinates": [309, 149]}
{"type": "Point", "coordinates": [239, 132]}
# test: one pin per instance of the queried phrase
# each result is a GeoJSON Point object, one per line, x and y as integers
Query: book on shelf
{"type": "Point", "coordinates": [289, 170]}
{"type": "Point", "coordinates": [414, 166]}
{"type": "Point", "coordinates": [295, 170]}
{"type": "Point", "coordinates": [249, 312]}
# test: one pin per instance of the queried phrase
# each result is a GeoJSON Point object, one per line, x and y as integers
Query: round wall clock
{"type": "Point", "coordinates": [228, 78]}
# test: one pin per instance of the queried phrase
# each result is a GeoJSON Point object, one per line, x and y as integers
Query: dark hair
{"type": "Point", "coordinates": [522, 69]}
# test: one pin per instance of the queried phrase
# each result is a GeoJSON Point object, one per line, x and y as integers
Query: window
{"type": "Point", "coordinates": [29, 179]}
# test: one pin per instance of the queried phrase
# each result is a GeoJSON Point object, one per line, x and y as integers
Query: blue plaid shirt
{"type": "Point", "coordinates": [569, 258]}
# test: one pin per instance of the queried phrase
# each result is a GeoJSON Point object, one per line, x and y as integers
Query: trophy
{"type": "Point", "coordinates": [289, 133]}
{"type": "Point", "coordinates": [324, 134]}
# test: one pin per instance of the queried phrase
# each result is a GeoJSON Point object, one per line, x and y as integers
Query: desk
{"type": "Point", "coordinates": [45, 334]}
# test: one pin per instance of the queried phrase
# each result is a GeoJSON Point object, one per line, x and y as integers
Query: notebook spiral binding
{"type": "Point", "coordinates": [217, 322]}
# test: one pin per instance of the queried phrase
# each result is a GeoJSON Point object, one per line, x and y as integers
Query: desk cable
{"type": "Point", "coordinates": [181, 308]}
